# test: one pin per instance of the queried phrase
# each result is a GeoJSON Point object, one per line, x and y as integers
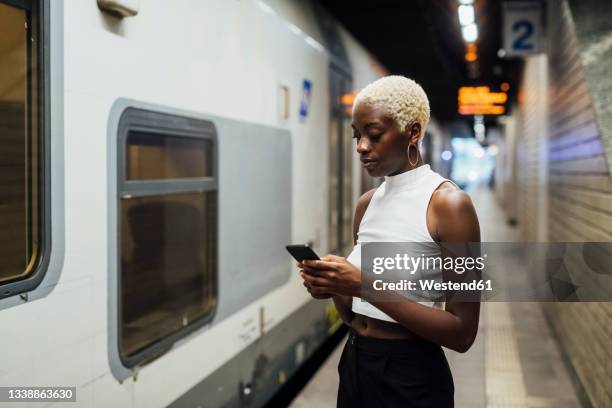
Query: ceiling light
{"type": "Point", "coordinates": [466, 1]}
{"type": "Point", "coordinates": [470, 33]}
{"type": "Point", "coordinates": [471, 56]}
{"type": "Point", "coordinates": [466, 15]}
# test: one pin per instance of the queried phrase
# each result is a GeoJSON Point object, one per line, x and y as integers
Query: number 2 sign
{"type": "Point", "coordinates": [522, 28]}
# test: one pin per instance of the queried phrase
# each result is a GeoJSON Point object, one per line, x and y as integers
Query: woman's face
{"type": "Point", "coordinates": [381, 144]}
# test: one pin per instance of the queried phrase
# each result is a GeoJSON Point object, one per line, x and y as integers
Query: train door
{"type": "Point", "coordinates": [340, 177]}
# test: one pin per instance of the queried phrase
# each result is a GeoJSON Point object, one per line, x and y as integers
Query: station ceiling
{"type": "Point", "coordinates": [422, 39]}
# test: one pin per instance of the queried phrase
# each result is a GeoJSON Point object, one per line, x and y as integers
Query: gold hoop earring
{"type": "Point", "coordinates": [409, 155]}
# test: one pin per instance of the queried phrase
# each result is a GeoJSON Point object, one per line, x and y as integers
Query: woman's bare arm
{"type": "Point", "coordinates": [457, 325]}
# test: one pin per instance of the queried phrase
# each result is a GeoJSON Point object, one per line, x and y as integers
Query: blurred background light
{"type": "Point", "coordinates": [479, 128]}
{"type": "Point", "coordinates": [470, 32]}
{"type": "Point", "coordinates": [472, 164]}
{"type": "Point", "coordinates": [471, 52]}
{"type": "Point", "coordinates": [471, 56]}
{"type": "Point", "coordinates": [446, 155]}
{"type": "Point", "coordinates": [466, 15]}
{"type": "Point", "coordinates": [478, 153]}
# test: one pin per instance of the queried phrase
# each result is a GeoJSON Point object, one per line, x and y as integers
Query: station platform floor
{"type": "Point", "coordinates": [514, 362]}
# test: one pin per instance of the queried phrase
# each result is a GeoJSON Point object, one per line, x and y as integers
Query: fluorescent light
{"type": "Point", "coordinates": [296, 30]}
{"type": "Point", "coordinates": [314, 44]}
{"type": "Point", "coordinates": [470, 33]}
{"type": "Point", "coordinates": [265, 7]}
{"type": "Point", "coordinates": [466, 1]}
{"type": "Point", "coordinates": [466, 15]}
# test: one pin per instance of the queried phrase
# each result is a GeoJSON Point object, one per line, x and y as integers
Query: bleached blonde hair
{"type": "Point", "coordinates": [399, 97]}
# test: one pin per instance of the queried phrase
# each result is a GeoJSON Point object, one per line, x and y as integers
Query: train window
{"type": "Point", "coordinates": [154, 156]}
{"type": "Point", "coordinates": [168, 231]}
{"type": "Point", "coordinates": [22, 206]}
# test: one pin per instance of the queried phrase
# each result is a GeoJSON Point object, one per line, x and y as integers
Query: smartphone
{"type": "Point", "coordinates": [302, 252]}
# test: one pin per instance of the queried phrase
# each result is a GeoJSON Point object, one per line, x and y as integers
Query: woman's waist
{"type": "Point", "coordinates": [413, 345]}
{"type": "Point", "coordinates": [371, 327]}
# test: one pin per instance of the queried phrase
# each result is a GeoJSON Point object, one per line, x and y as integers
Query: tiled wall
{"type": "Point", "coordinates": [563, 152]}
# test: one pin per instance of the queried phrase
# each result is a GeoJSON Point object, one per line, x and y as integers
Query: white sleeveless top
{"type": "Point", "coordinates": [397, 213]}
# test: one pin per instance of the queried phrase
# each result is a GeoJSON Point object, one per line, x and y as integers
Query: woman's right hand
{"type": "Point", "coordinates": [314, 291]}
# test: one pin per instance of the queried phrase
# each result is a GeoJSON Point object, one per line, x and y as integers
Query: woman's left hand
{"type": "Point", "coordinates": [332, 274]}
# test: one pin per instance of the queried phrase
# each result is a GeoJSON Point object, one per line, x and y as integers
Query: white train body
{"type": "Point", "coordinates": [204, 59]}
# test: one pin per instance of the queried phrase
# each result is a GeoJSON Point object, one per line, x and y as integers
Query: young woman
{"type": "Point", "coordinates": [393, 356]}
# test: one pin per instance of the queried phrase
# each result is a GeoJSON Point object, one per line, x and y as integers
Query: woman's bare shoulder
{"type": "Point", "coordinates": [455, 214]}
{"type": "Point", "coordinates": [450, 197]}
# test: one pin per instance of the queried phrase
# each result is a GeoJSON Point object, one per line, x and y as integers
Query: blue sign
{"type": "Point", "coordinates": [305, 101]}
{"type": "Point", "coordinates": [522, 28]}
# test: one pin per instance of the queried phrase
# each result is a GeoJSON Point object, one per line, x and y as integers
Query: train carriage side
{"type": "Point", "coordinates": [179, 150]}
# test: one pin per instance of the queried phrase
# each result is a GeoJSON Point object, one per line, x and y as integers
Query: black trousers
{"type": "Point", "coordinates": [394, 373]}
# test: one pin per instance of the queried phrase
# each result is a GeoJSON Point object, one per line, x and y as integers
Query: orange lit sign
{"type": "Point", "coordinates": [482, 110]}
{"type": "Point", "coordinates": [479, 100]}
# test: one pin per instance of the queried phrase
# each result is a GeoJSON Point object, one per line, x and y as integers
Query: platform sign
{"type": "Point", "coordinates": [305, 101]}
{"type": "Point", "coordinates": [479, 100]}
{"type": "Point", "coordinates": [522, 28]}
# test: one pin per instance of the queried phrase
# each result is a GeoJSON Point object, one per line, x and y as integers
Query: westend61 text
{"type": "Point", "coordinates": [430, 284]}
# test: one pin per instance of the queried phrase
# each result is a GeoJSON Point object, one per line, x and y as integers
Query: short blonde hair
{"type": "Point", "coordinates": [400, 97]}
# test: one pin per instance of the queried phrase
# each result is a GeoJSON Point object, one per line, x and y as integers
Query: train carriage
{"type": "Point", "coordinates": [154, 167]}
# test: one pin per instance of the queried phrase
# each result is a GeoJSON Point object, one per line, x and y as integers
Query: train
{"type": "Point", "coordinates": [163, 154]}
